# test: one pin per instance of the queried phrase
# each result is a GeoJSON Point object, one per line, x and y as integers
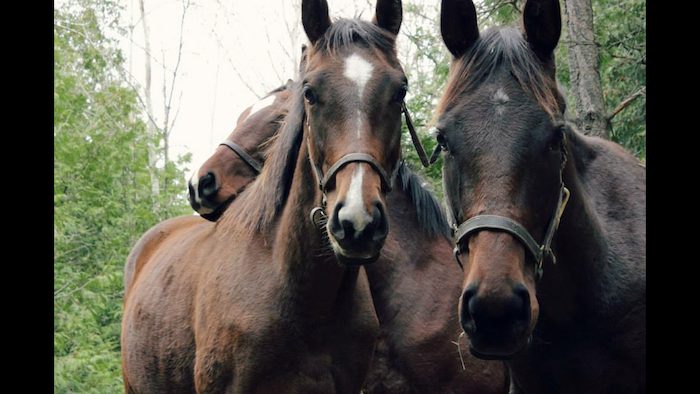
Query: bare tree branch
{"type": "Point", "coordinates": [626, 102]}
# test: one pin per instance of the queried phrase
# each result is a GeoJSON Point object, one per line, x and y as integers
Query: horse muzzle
{"type": "Point", "coordinates": [496, 327]}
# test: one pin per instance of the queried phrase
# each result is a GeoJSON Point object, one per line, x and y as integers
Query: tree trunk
{"type": "Point", "coordinates": [591, 116]}
{"type": "Point", "coordinates": [152, 128]}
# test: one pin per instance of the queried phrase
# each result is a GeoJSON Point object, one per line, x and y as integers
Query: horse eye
{"type": "Point", "coordinates": [309, 96]}
{"type": "Point", "coordinates": [558, 137]}
{"type": "Point", "coordinates": [441, 140]}
{"type": "Point", "coordinates": [401, 93]}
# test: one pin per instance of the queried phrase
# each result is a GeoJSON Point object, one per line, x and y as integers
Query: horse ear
{"type": "Point", "coordinates": [388, 15]}
{"type": "Point", "coordinates": [542, 24]}
{"type": "Point", "coordinates": [314, 17]}
{"type": "Point", "coordinates": [302, 60]}
{"type": "Point", "coordinates": [458, 25]}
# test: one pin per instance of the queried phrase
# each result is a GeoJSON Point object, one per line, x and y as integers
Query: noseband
{"type": "Point", "coordinates": [243, 155]}
{"type": "Point", "coordinates": [387, 180]}
{"type": "Point", "coordinates": [501, 223]}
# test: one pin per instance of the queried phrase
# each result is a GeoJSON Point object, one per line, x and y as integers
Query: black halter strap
{"type": "Point", "coordinates": [323, 180]}
{"type": "Point", "coordinates": [387, 180]}
{"type": "Point", "coordinates": [539, 252]}
{"type": "Point", "coordinates": [502, 223]}
{"type": "Point", "coordinates": [243, 155]}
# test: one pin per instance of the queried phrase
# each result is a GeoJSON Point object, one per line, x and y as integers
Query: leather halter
{"type": "Point", "coordinates": [387, 180]}
{"type": "Point", "coordinates": [501, 223]}
{"type": "Point", "coordinates": [243, 155]}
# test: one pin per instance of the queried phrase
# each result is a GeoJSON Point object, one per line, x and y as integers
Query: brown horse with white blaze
{"type": "Point", "coordinates": [550, 224]}
{"type": "Point", "coordinates": [274, 311]}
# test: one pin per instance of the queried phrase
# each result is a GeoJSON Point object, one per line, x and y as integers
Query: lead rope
{"type": "Point", "coordinates": [414, 137]}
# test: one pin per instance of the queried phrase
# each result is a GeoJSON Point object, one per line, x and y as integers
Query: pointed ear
{"type": "Point", "coordinates": [388, 15]}
{"type": "Point", "coordinates": [302, 60]}
{"type": "Point", "coordinates": [542, 24]}
{"type": "Point", "coordinates": [458, 25]}
{"type": "Point", "coordinates": [314, 17]}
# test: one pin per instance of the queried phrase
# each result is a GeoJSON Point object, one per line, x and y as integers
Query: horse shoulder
{"type": "Point", "coordinates": [161, 275]}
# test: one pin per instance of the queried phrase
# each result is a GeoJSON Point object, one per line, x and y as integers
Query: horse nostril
{"type": "Point", "coordinates": [380, 224]}
{"type": "Point", "coordinates": [495, 313]}
{"type": "Point", "coordinates": [523, 295]}
{"type": "Point", "coordinates": [208, 185]}
{"type": "Point", "coordinates": [190, 194]}
{"type": "Point", "coordinates": [335, 226]}
{"type": "Point", "coordinates": [357, 225]}
{"type": "Point", "coordinates": [468, 305]}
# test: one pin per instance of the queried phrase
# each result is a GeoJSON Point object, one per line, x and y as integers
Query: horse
{"type": "Point", "coordinates": [287, 305]}
{"type": "Point", "coordinates": [239, 158]}
{"type": "Point", "coordinates": [412, 282]}
{"type": "Point", "coordinates": [549, 224]}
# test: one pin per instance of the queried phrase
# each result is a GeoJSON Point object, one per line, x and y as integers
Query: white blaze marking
{"type": "Point", "coordinates": [194, 181]}
{"type": "Point", "coordinates": [354, 208]}
{"type": "Point", "coordinates": [264, 103]}
{"type": "Point", "coordinates": [358, 123]}
{"type": "Point", "coordinates": [500, 96]}
{"type": "Point", "coordinates": [359, 71]}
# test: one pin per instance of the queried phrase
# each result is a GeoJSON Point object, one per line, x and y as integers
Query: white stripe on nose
{"type": "Point", "coordinates": [354, 209]}
{"type": "Point", "coordinates": [359, 71]}
{"type": "Point", "coordinates": [194, 181]}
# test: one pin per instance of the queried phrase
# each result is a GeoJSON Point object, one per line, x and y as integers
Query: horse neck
{"type": "Point", "coordinates": [313, 277]}
{"type": "Point", "coordinates": [411, 255]}
{"type": "Point", "coordinates": [580, 248]}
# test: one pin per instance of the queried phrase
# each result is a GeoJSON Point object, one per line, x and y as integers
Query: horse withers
{"type": "Point", "coordinates": [549, 224]}
{"type": "Point", "coordinates": [264, 300]}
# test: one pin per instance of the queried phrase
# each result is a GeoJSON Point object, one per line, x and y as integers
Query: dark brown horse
{"type": "Point", "coordinates": [414, 284]}
{"type": "Point", "coordinates": [259, 302]}
{"type": "Point", "coordinates": [563, 302]}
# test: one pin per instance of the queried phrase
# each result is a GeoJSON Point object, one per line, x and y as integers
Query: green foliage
{"type": "Point", "coordinates": [426, 70]}
{"type": "Point", "coordinates": [102, 197]}
{"type": "Point", "coordinates": [620, 28]}
{"type": "Point", "coordinates": [620, 35]}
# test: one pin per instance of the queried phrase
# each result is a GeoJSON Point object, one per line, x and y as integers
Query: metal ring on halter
{"type": "Point", "coordinates": [314, 212]}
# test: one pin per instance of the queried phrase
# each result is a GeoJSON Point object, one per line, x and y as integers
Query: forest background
{"type": "Point", "coordinates": [124, 82]}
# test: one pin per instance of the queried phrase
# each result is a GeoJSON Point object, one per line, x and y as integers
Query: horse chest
{"type": "Point", "coordinates": [277, 349]}
{"type": "Point", "coordinates": [292, 356]}
{"type": "Point", "coordinates": [577, 364]}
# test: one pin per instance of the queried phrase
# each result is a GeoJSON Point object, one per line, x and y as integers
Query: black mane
{"type": "Point", "coordinates": [504, 47]}
{"type": "Point", "coordinates": [430, 215]}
